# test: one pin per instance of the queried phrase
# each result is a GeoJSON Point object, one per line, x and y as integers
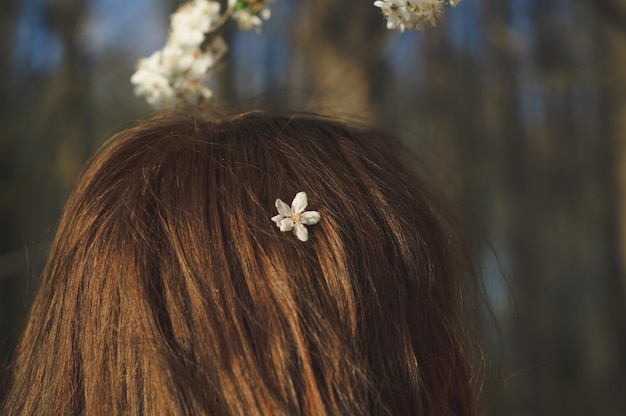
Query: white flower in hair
{"type": "Point", "coordinates": [295, 218]}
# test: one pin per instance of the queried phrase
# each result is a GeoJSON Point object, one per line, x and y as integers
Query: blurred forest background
{"type": "Point", "coordinates": [517, 106]}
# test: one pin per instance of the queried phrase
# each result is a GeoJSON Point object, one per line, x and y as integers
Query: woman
{"type": "Point", "coordinates": [170, 288]}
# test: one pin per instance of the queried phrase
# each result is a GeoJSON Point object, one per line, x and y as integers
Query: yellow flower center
{"type": "Point", "coordinates": [295, 217]}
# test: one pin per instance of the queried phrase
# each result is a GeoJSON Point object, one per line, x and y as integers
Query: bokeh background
{"type": "Point", "coordinates": [518, 107]}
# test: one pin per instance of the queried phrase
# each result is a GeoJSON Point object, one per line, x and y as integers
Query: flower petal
{"type": "Point", "coordinates": [301, 232]}
{"type": "Point", "coordinates": [277, 219]}
{"type": "Point", "coordinates": [404, 14]}
{"type": "Point", "coordinates": [300, 202]}
{"type": "Point", "coordinates": [283, 208]}
{"type": "Point", "coordinates": [310, 217]}
{"type": "Point", "coordinates": [286, 224]}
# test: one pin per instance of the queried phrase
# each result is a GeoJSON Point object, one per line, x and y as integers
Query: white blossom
{"type": "Point", "coordinates": [412, 14]}
{"type": "Point", "coordinates": [249, 15]}
{"type": "Point", "coordinates": [177, 74]}
{"type": "Point", "coordinates": [295, 218]}
{"type": "Point", "coordinates": [151, 83]}
{"type": "Point", "coordinates": [247, 21]}
{"type": "Point", "coordinates": [180, 71]}
{"type": "Point", "coordinates": [192, 21]}
{"type": "Point", "coordinates": [396, 13]}
{"type": "Point", "coordinates": [425, 12]}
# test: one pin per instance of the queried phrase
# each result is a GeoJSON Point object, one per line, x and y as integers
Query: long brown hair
{"type": "Point", "coordinates": [168, 290]}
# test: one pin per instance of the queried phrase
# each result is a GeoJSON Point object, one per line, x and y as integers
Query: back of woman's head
{"type": "Point", "coordinates": [169, 290]}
